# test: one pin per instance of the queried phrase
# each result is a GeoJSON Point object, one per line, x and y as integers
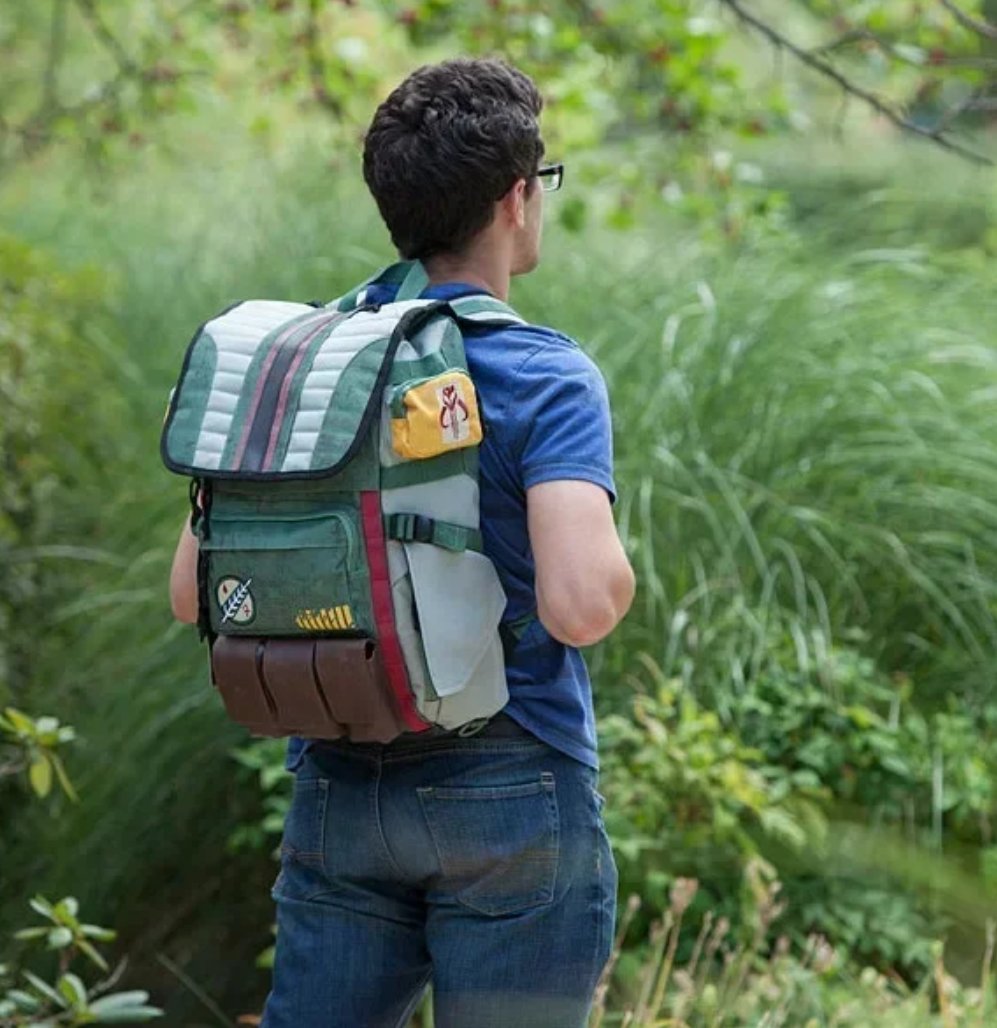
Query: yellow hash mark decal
{"type": "Point", "coordinates": [326, 619]}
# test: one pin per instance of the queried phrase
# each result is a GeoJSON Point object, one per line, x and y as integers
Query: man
{"type": "Point", "coordinates": [477, 861]}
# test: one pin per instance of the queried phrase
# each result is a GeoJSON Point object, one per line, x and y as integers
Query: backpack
{"type": "Point", "coordinates": [333, 458]}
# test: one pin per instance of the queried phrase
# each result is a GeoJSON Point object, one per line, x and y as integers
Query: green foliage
{"type": "Point", "coordinates": [766, 982]}
{"type": "Point", "coordinates": [35, 741]}
{"type": "Point", "coordinates": [41, 437]}
{"type": "Point", "coordinates": [69, 1001]}
{"type": "Point", "coordinates": [264, 758]}
{"type": "Point", "coordinates": [65, 931]}
{"type": "Point", "coordinates": [687, 797]}
{"type": "Point", "coordinates": [802, 754]}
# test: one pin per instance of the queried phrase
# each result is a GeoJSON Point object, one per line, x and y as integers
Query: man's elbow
{"type": "Point", "coordinates": [184, 605]}
{"type": "Point", "coordinates": [585, 618]}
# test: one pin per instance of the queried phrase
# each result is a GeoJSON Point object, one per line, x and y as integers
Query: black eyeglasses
{"type": "Point", "coordinates": [551, 177]}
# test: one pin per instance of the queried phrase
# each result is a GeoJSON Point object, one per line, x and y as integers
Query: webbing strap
{"type": "Point", "coordinates": [417, 528]}
{"type": "Point", "coordinates": [419, 472]}
{"type": "Point", "coordinates": [511, 632]}
{"type": "Point", "coordinates": [411, 278]}
{"type": "Point", "coordinates": [394, 274]}
{"type": "Point", "coordinates": [414, 282]}
{"type": "Point", "coordinates": [485, 310]}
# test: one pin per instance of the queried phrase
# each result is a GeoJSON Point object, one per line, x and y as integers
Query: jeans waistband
{"type": "Point", "coordinates": [499, 726]}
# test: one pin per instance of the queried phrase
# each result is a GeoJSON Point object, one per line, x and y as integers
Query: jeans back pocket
{"type": "Point", "coordinates": [498, 845]}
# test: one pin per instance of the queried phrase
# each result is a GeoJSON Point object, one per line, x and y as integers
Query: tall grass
{"type": "Point", "coordinates": [804, 440]}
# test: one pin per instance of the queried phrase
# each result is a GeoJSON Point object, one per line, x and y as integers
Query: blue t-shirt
{"type": "Point", "coordinates": [546, 417]}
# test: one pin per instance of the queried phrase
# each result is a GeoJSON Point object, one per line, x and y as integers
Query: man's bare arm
{"type": "Point", "coordinates": [183, 577]}
{"type": "Point", "coordinates": [584, 582]}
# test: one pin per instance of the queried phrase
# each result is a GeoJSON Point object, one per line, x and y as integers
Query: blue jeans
{"type": "Point", "coordinates": [480, 864]}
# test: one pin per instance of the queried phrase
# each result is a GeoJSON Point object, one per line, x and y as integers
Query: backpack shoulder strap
{"type": "Point", "coordinates": [410, 277]}
{"type": "Point", "coordinates": [485, 310]}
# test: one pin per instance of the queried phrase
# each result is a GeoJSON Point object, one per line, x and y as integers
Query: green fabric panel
{"type": "Point", "coordinates": [303, 497]}
{"type": "Point", "coordinates": [348, 404]}
{"type": "Point", "coordinates": [299, 552]}
{"type": "Point", "coordinates": [192, 401]}
{"type": "Point", "coordinates": [249, 383]}
{"type": "Point", "coordinates": [294, 394]}
{"type": "Point", "coordinates": [418, 472]}
{"type": "Point", "coordinates": [363, 472]}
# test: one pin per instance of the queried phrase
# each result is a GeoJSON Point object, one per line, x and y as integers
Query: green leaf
{"type": "Point", "coordinates": [914, 54]}
{"type": "Point", "coordinates": [128, 1015]}
{"type": "Point", "coordinates": [92, 931]}
{"type": "Point", "coordinates": [45, 989]}
{"type": "Point", "coordinates": [21, 722]}
{"type": "Point", "coordinates": [88, 951]}
{"type": "Point", "coordinates": [74, 990]}
{"type": "Point", "coordinates": [117, 1000]}
{"type": "Point", "coordinates": [68, 907]}
{"type": "Point", "coordinates": [31, 933]}
{"type": "Point", "coordinates": [41, 776]}
{"type": "Point", "coordinates": [40, 905]}
{"type": "Point", "coordinates": [60, 938]}
{"type": "Point", "coordinates": [24, 1000]}
{"type": "Point", "coordinates": [60, 771]}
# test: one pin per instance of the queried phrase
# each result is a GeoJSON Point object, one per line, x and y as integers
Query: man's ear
{"type": "Point", "coordinates": [513, 204]}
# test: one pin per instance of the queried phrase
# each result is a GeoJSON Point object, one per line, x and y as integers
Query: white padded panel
{"type": "Point", "coordinates": [343, 344]}
{"type": "Point", "coordinates": [237, 336]}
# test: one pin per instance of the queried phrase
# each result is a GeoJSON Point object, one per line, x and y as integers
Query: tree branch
{"type": "Point", "coordinates": [98, 26]}
{"type": "Point", "coordinates": [822, 67]}
{"type": "Point", "coordinates": [981, 28]}
{"type": "Point", "coordinates": [846, 39]}
{"type": "Point", "coordinates": [56, 50]}
{"type": "Point", "coordinates": [316, 62]}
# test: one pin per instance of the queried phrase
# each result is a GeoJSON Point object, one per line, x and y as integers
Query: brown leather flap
{"type": "Point", "coordinates": [317, 688]}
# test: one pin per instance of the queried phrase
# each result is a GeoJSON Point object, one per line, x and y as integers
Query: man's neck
{"type": "Point", "coordinates": [487, 271]}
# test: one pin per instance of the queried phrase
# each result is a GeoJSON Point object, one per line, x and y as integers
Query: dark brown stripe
{"type": "Point", "coordinates": [259, 434]}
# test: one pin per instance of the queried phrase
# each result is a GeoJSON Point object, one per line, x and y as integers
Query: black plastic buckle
{"type": "Point", "coordinates": [422, 528]}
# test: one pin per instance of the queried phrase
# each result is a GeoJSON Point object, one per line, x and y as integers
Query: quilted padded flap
{"type": "Point", "coordinates": [273, 390]}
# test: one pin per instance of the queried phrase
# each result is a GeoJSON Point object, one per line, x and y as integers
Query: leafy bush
{"type": "Point", "coordinates": [802, 754]}
{"type": "Point", "coordinates": [686, 797]}
{"type": "Point", "coordinates": [46, 432]}
{"type": "Point", "coordinates": [68, 1002]}
{"type": "Point", "coordinates": [724, 980]}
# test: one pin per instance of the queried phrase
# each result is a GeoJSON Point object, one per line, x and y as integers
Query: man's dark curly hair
{"type": "Point", "coordinates": [447, 143]}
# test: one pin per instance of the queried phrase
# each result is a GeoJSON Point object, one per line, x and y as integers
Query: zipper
{"type": "Point", "coordinates": [339, 515]}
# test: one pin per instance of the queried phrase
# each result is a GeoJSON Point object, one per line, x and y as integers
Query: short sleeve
{"type": "Point", "coordinates": [563, 413]}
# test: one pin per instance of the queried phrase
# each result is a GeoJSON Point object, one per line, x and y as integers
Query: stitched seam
{"type": "Point", "coordinates": [323, 805]}
{"type": "Point", "coordinates": [555, 818]}
{"type": "Point", "coordinates": [432, 834]}
{"type": "Point", "coordinates": [376, 802]}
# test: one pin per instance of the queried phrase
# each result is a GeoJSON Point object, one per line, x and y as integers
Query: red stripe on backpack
{"type": "Point", "coordinates": [384, 610]}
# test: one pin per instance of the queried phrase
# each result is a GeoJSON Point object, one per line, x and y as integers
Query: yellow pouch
{"type": "Point", "coordinates": [434, 416]}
